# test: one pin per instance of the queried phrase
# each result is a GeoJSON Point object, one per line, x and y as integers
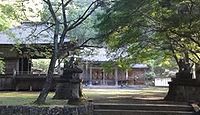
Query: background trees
{"type": "Point", "coordinates": [62, 17]}
{"type": "Point", "coordinates": [61, 26]}
{"type": "Point", "coordinates": [137, 30]}
{"type": "Point", "coordinates": [146, 30]}
{"type": "Point", "coordinates": [8, 16]}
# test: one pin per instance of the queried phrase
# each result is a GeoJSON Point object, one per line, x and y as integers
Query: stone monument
{"type": "Point", "coordinates": [183, 87]}
{"type": "Point", "coordinates": [68, 85]}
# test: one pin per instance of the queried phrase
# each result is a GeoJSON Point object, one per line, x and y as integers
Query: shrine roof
{"type": "Point", "coordinates": [97, 54]}
{"type": "Point", "coordinates": [28, 33]}
{"type": "Point", "coordinates": [101, 55]}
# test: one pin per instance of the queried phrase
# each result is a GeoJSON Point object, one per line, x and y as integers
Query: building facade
{"type": "Point", "coordinates": [18, 63]}
{"type": "Point", "coordinates": [95, 74]}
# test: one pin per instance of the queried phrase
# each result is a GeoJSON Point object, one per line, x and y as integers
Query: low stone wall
{"type": "Point", "coordinates": [184, 90]}
{"type": "Point", "coordinates": [34, 110]}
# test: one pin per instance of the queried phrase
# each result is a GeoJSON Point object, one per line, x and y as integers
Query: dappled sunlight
{"type": "Point", "coordinates": [20, 98]}
{"type": "Point", "coordinates": [100, 95]}
{"type": "Point", "coordinates": [119, 96]}
{"type": "Point", "coordinates": [149, 98]}
{"type": "Point", "coordinates": [126, 95]}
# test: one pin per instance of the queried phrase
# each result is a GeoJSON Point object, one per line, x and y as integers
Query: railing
{"type": "Point", "coordinates": [28, 72]}
{"type": "Point", "coordinates": [25, 75]}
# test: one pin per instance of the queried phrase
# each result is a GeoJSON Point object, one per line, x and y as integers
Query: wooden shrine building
{"type": "Point", "coordinates": [95, 74]}
{"type": "Point", "coordinates": [21, 44]}
{"type": "Point", "coordinates": [18, 46]}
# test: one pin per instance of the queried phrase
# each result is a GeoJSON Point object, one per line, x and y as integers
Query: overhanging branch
{"type": "Point", "coordinates": [84, 16]}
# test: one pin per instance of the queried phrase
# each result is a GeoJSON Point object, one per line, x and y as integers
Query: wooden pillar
{"type": "Point", "coordinates": [90, 80]}
{"type": "Point", "coordinates": [29, 66]}
{"type": "Point", "coordinates": [104, 81]}
{"type": "Point", "coordinates": [86, 77]}
{"type": "Point", "coordinates": [116, 77]}
{"type": "Point", "coordinates": [17, 66]}
{"type": "Point", "coordinates": [126, 74]}
{"type": "Point", "coordinates": [22, 65]}
{"type": "Point", "coordinates": [194, 72]}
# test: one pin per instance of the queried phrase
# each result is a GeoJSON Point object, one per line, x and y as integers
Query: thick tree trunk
{"type": "Point", "coordinates": [44, 93]}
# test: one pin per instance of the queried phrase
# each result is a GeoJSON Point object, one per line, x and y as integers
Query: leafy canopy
{"type": "Point", "coordinates": [151, 29]}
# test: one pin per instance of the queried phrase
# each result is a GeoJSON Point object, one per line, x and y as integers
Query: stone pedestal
{"type": "Point", "coordinates": [184, 75]}
{"type": "Point", "coordinates": [184, 90]}
{"type": "Point", "coordinates": [68, 85]}
{"type": "Point", "coordinates": [67, 90]}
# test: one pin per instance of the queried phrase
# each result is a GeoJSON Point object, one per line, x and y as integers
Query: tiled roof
{"type": "Point", "coordinates": [27, 33]}
{"type": "Point", "coordinates": [100, 54]}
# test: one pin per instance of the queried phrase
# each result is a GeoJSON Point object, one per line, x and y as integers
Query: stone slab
{"type": "Point", "coordinates": [163, 107]}
{"type": "Point", "coordinates": [139, 112]}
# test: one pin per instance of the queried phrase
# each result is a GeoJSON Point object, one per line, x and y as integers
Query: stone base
{"type": "Point", "coordinates": [183, 75]}
{"type": "Point", "coordinates": [86, 109]}
{"type": "Point", "coordinates": [183, 90]}
{"type": "Point", "coordinates": [67, 91]}
{"type": "Point", "coordinates": [79, 101]}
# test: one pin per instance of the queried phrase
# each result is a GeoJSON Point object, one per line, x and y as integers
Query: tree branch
{"type": "Point", "coordinates": [84, 16]}
{"type": "Point", "coordinates": [173, 51]}
{"type": "Point", "coordinates": [66, 3]}
{"type": "Point", "coordinates": [87, 46]}
{"type": "Point", "coordinates": [45, 29]}
{"type": "Point", "coordinates": [52, 11]}
{"type": "Point", "coordinates": [187, 49]}
{"type": "Point", "coordinates": [186, 36]}
{"type": "Point", "coordinates": [64, 13]}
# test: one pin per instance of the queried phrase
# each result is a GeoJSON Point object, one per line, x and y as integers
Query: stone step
{"type": "Point", "coordinates": [138, 112]}
{"type": "Point", "coordinates": [152, 107]}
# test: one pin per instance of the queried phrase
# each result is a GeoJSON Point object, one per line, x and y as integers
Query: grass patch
{"type": "Point", "coordinates": [27, 98]}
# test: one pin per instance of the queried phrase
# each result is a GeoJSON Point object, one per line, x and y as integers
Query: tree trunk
{"type": "Point", "coordinates": [44, 93]}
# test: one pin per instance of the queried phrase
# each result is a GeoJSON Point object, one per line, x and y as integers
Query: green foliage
{"type": "Point", "coordinates": [152, 29]}
{"type": "Point", "coordinates": [161, 68]}
{"type": "Point", "coordinates": [150, 75]}
{"type": "Point", "coordinates": [123, 25]}
{"type": "Point", "coordinates": [85, 30]}
{"type": "Point", "coordinates": [108, 66]}
{"type": "Point", "coordinates": [5, 13]}
{"type": "Point", "coordinates": [41, 64]}
{"type": "Point", "coordinates": [9, 15]}
{"type": "Point", "coordinates": [2, 66]}
{"type": "Point", "coordinates": [179, 24]}
{"type": "Point", "coordinates": [73, 11]}
{"type": "Point", "coordinates": [123, 64]}
{"type": "Point", "coordinates": [120, 63]}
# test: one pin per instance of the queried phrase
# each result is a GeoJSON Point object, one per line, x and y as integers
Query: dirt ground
{"type": "Point", "coordinates": [126, 95]}
{"type": "Point", "coordinates": [136, 94]}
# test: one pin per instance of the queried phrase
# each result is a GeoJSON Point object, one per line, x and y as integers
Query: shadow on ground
{"type": "Point", "coordinates": [127, 95]}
